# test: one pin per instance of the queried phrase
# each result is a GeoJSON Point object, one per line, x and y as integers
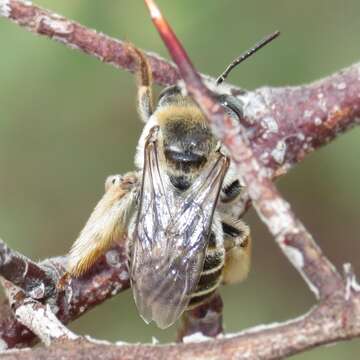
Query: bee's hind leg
{"type": "Point", "coordinates": [144, 96]}
{"type": "Point", "coordinates": [237, 243]}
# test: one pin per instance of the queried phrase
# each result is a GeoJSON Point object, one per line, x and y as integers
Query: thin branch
{"type": "Point", "coordinates": [34, 280]}
{"type": "Point", "coordinates": [108, 278]}
{"type": "Point", "coordinates": [284, 124]}
{"type": "Point", "coordinates": [37, 317]}
{"type": "Point", "coordinates": [75, 36]}
{"type": "Point", "coordinates": [326, 323]}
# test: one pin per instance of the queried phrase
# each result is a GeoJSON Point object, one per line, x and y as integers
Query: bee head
{"type": "Point", "coordinates": [187, 140]}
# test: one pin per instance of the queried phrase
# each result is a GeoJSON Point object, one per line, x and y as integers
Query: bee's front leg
{"type": "Point", "coordinates": [237, 243]}
{"type": "Point", "coordinates": [145, 103]}
{"type": "Point", "coordinates": [107, 223]}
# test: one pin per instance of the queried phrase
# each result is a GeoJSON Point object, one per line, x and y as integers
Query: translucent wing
{"type": "Point", "coordinates": [170, 238]}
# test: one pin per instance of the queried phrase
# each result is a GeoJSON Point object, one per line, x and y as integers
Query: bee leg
{"type": "Point", "coordinates": [206, 318]}
{"type": "Point", "coordinates": [106, 224]}
{"type": "Point", "coordinates": [144, 95]}
{"type": "Point", "coordinates": [237, 242]}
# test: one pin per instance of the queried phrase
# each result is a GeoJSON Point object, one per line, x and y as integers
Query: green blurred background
{"type": "Point", "coordinates": [67, 121]}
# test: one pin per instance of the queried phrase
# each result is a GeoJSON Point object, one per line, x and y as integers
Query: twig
{"type": "Point", "coordinates": [75, 36]}
{"type": "Point", "coordinates": [22, 272]}
{"type": "Point", "coordinates": [108, 278]}
{"type": "Point", "coordinates": [36, 317]}
{"type": "Point", "coordinates": [326, 323]}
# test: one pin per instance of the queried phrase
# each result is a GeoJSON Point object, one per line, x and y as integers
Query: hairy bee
{"type": "Point", "coordinates": [183, 239]}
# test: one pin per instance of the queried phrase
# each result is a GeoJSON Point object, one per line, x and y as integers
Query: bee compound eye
{"type": "Point", "coordinates": [233, 106]}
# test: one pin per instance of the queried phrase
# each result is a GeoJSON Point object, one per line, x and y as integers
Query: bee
{"type": "Point", "coordinates": [176, 210]}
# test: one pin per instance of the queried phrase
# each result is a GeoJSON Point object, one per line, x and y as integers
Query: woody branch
{"type": "Point", "coordinates": [279, 127]}
{"type": "Point", "coordinates": [68, 300]}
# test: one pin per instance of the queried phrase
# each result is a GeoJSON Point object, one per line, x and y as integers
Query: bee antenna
{"type": "Point", "coordinates": [246, 55]}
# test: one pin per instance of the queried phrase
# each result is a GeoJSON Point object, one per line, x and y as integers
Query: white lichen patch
{"type": "Point", "coordinates": [97, 341]}
{"type": "Point", "coordinates": [26, 269]}
{"type": "Point", "coordinates": [269, 123]}
{"type": "Point", "coordinates": [351, 282]}
{"type": "Point", "coordinates": [123, 276]}
{"type": "Point", "coordinates": [5, 9]}
{"type": "Point", "coordinates": [266, 172]}
{"type": "Point", "coordinates": [308, 114]}
{"type": "Point", "coordinates": [116, 289]}
{"type": "Point", "coordinates": [65, 41]}
{"type": "Point", "coordinates": [58, 25]}
{"type": "Point", "coordinates": [323, 105]}
{"type": "Point", "coordinates": [279, 152]}
{"type": "Point", "coordinates": [37, 292]}
{"type": "Point", "coordinates": [294, 255]}
{"type": "Point", "coordinates": [340, 86]}
{"type": "Point", "coordinates": [196, 338]}
{"type": "Point", "coordinates": [264, 327]}
{"type": "Point", "coordinates": [54, 308]}
{"type": "Point", "coordinates": [264, 157]}
{"type": "Point", "coordinates": [254, 106]}
{"type": "Point", "coordinates": [300, 136]}
{"type": "Point", "coordinates": [3, 345]}
{"type": "Point", "coordinates": [113, 258]}
{"type": "Point", "coordinates": [42, 322]}
{"type": "Point", "coordinates": [69, 293]}
{"type": "Point", "coordinates": [277, 216]}
{"type": "Point", "coordinates": [311, 286]}
{"type": "Point", "coordinates": [254, 191]}
{"type": "Point", "coordinates": [317, 121]}
{"type": "Point", "coordinates": [15, 351]}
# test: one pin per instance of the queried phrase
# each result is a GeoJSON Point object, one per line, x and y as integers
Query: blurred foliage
{"type": "Point", "coordinates": [67, 121]}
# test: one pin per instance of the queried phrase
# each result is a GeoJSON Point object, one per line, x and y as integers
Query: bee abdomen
{"type": "Point", "coordinates": [210, 278]}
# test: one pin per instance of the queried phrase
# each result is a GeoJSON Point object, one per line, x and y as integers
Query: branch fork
{"type": "Point", "coordinates": [278, 128]}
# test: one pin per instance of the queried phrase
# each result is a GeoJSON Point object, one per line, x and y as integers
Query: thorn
{"type": "Point", "coordinates": [153, 9]}
{"type": "Point", "coordinates": [174, 46]}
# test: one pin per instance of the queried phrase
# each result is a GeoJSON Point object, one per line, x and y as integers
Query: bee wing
{"type": "Point", "coordinates": [168, 250]}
